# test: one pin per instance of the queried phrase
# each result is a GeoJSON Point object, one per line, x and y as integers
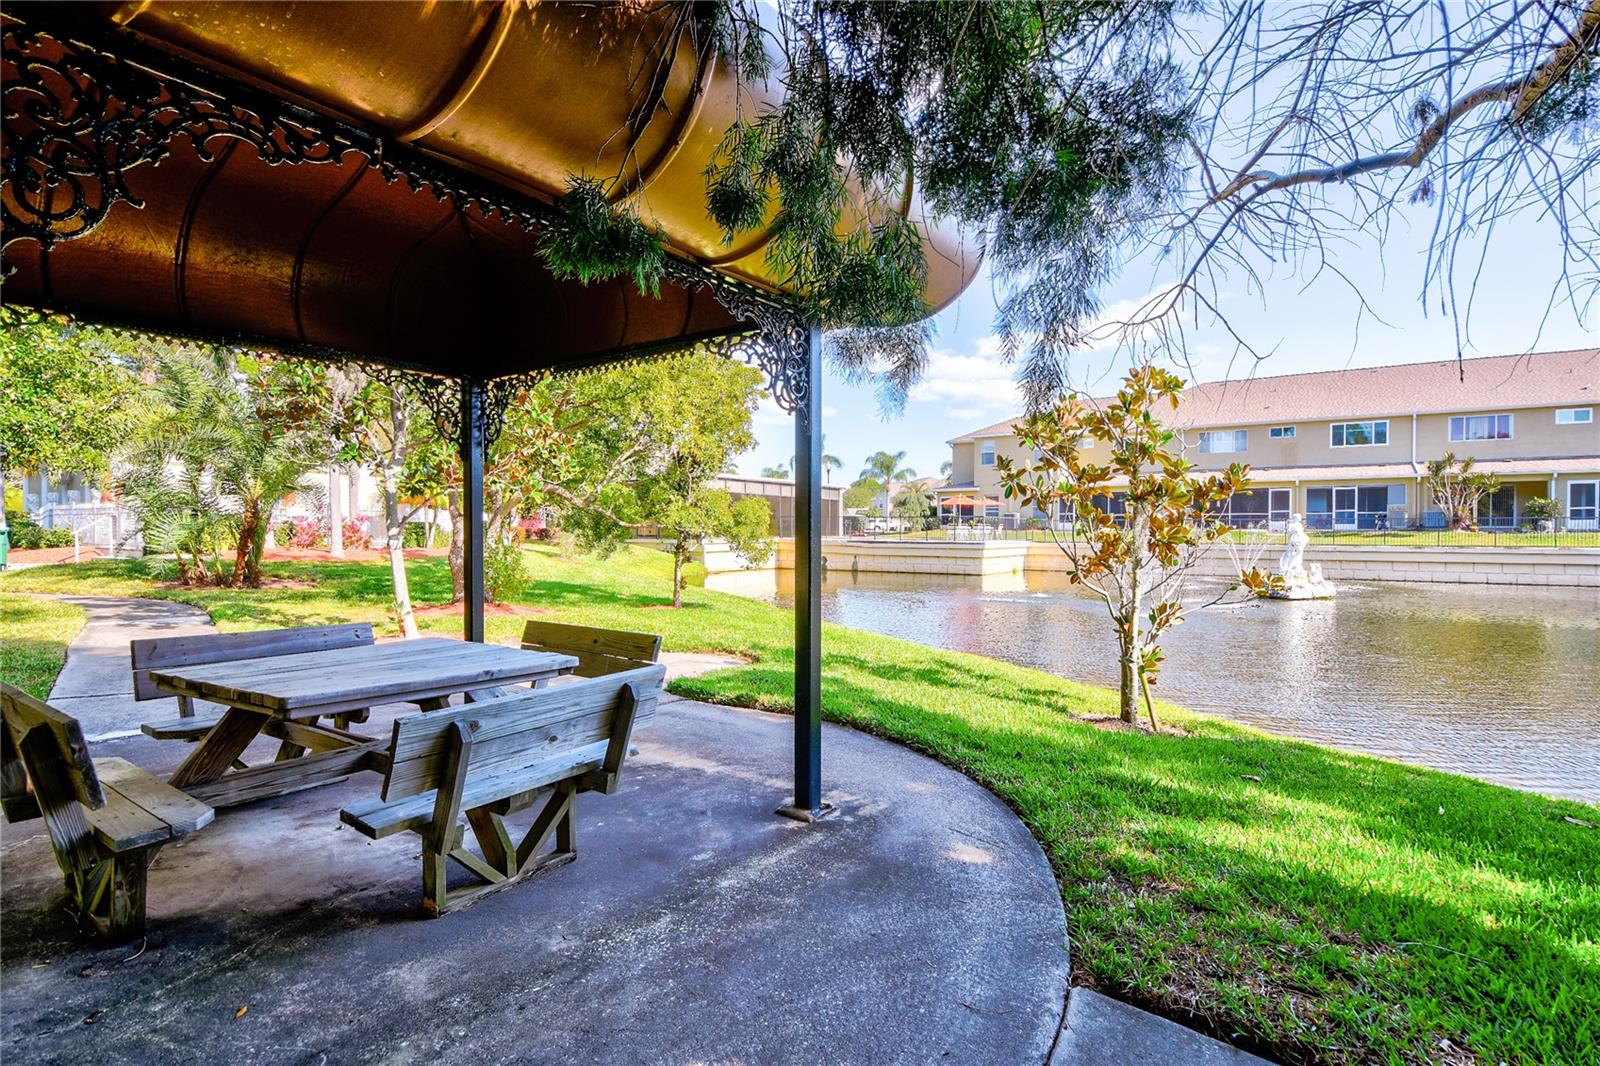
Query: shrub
{"type": "Point", "coordinates": [302, 533]}
{"type": "Point", "coordinates": [415, 535]}
{"type": "Point", "coordinates": [505, 573]}
{"type": "Point", "coordinates": [26, 533]}
{"type": "Point", "coordinates": [1544, 509]}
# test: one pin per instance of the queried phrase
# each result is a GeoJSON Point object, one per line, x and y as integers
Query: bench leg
{"type": "Point", "coordinates": [225, 743]}
{"type": "Point", "coordinates": [111, 895]}
{"type": "Point", "coordinates": [288, 749]}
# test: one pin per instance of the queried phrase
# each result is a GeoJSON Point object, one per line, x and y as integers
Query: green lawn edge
{"type": "Point", "coordinates": [34, 634]}
{"type": "Point", "coordinates": [1312, 904]}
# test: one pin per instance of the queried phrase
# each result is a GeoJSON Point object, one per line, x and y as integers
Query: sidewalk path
{"type": "Point", "coordinates": [96, 684]}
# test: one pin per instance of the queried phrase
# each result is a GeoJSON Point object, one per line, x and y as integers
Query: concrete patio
{"type": "Point", "coordinates": [918, 924]}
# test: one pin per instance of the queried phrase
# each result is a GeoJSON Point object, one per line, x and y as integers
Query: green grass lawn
{"type": "Point", "coordinates": [34, 634]}
{"type": "Point", "coordinates": [1316, 905]}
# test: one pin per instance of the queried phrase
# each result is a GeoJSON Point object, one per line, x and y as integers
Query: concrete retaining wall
{"type": "Point", "coordinates": [1480, 566]}
{"type": "Point", "coordinates": [1483, 566]}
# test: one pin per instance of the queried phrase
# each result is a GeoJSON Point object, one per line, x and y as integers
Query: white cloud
{"type": "Point", "coordinates": [973, 387]}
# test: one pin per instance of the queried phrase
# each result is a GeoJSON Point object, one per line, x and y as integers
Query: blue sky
{"type": "Point", "coordinates": [1303, 326]}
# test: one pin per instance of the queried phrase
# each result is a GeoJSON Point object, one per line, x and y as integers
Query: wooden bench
{"type": "Point", "coordinates": [106, 821]}
{"type": "Point", "coordinates": [495, 756]}
{"type": "Point", "coordinates": [599, 651]}
{"type": "Point", "coordinates": [162, 653]}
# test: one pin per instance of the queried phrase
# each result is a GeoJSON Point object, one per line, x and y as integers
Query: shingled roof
{"type": "Point", "coordinates": [1493, 382]}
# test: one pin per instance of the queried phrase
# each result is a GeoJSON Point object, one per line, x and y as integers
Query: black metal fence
{"type": "Point", "coordinates": [1555, 536]}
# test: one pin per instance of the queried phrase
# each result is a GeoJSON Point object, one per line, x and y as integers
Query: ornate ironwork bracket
{"type": "Point", "coordinates": [79, 116]}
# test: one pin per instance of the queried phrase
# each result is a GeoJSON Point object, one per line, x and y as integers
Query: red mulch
{"type": "Point", "coordinates": [53, 555]}
{"type": "Point", "coordinates": [454, 609]}
{"type": "Point", "coordinates": [362, 555]}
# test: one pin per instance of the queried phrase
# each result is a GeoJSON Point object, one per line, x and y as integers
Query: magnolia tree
{"type": "Point", "coordinates": [1091, 455]}
{"type": "Point", "coordinates": [1456, 489]}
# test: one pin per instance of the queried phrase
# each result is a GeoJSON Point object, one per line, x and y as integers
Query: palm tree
{"type": "Point", "coordinates": [829, 462]}
{"type": "Point", "coordinates": [885, 467]}
{"type": "Point", "coordinates": [779, 472]}
{"type": "Point", "coordinates": [945, 468]}
{"type": "Point", "coordinates": [205, 467]}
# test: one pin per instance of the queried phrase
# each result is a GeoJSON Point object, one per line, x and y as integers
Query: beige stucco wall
{"type": "Point", "coordinates": [962, 459]}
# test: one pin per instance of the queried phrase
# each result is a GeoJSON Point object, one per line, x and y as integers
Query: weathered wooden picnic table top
{"type": "Point", "coordinates": [286, 695]}
{"type": "Point", "coordinates": [391, 672]}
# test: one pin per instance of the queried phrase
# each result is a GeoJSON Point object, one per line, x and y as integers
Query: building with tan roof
{"type": "Point", "coordinates": [1349, 448]}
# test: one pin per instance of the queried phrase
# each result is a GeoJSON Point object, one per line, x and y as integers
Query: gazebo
{"type": "Point", "coordinates": [369, 183]}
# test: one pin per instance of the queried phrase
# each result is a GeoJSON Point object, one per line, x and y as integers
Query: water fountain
{"type": "Point", "coordinates": [1299, 582]}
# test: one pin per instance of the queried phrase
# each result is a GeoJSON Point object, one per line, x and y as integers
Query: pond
{"type": "Point", "coordinates": [1500, 683]}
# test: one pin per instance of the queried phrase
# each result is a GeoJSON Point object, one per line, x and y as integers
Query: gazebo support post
{"type": "Point", "coordinates": [472, 435]}
{"type": "Point", "coordinates": [808, 805]}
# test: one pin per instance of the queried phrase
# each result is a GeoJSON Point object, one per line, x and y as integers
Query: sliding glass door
{"type": "Point", "coordinates": [1344, 507]}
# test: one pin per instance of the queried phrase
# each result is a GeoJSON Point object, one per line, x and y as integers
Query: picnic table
{"type": "Point", "coordinates": [287, 695]}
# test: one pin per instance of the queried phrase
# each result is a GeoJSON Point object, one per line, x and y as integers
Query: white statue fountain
{"type": "Point", "coordinates": [1299, 583]}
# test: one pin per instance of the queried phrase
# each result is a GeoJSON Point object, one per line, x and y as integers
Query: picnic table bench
{"type": "Point", "coordinates": [106, 820]}
{"type": "Point", "coordinates": [488, 759]}
{"type": "Point", "coordinates": [285, 688]}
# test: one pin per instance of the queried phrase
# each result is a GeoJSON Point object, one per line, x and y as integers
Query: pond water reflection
{"type": "Point", "coordinates": [1500, 683]}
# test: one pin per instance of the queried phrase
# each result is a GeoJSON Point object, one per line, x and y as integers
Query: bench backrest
{"type": "Point", "coordinates": [599, 651]}
{"type": "Point", "coordinates": [164, 653]}
{"type": "Point", "coordinates": [518, 731]}
{"type": "Point", "coordinates": [39, 744]}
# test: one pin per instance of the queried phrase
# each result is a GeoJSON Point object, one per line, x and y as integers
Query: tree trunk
{"type": "Point", "coordinates": [680, 551]}
{"type": "Point", "coordinates": [1129, 646]}
{"type": "Point", "coordinates": [249, 521]}
{"type": "Point", "coordinates": [335, 515]}
{"type": "Point", "coordinates": [1128, 685]}
{"type": "Point", "coordinates": [397, 556]}
{"type": "Point", "coordinates": [458, 548]}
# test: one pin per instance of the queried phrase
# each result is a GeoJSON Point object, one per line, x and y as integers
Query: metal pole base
{"type": "Point", "coordinates": [806, 814]}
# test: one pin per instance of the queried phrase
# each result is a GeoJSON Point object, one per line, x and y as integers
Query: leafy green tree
{"type": "Point", "coordinates": [384, 426]}
{"type": "Point", "coordinates": [1073, 136]}
{"type": "Point", "coordinates": [862, 493]}
{"type": "Point", "coordinates": [67, 399]}
{"type": "Point", "coordinates": [1140, 520]}
{"type": "Point", "coordinates": [698, 416]}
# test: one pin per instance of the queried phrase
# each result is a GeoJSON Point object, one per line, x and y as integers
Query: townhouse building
{"type": "Point", "coordinates": [1348, 449]}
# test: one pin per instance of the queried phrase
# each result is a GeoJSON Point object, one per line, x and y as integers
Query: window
{"type": "Point", "coordinates": [1574, 416]}
{"type": "Point", "coordinates": [1583, 505]}
{"type": "Point", "coordinates": [1224, 440]}
{"type": "Point", "coordinates": [991, 510]}
{"type": "Point", "coordinates": [1281, 432]}
{"type": "Point", "coordinates": [1480, 427]}
{"type": "Point", "coordinates": [1254, 508]}
{"type": "Point", "coordinates": [1360, 434]}
{"type": "Point", "coordinates": [986, 453]}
